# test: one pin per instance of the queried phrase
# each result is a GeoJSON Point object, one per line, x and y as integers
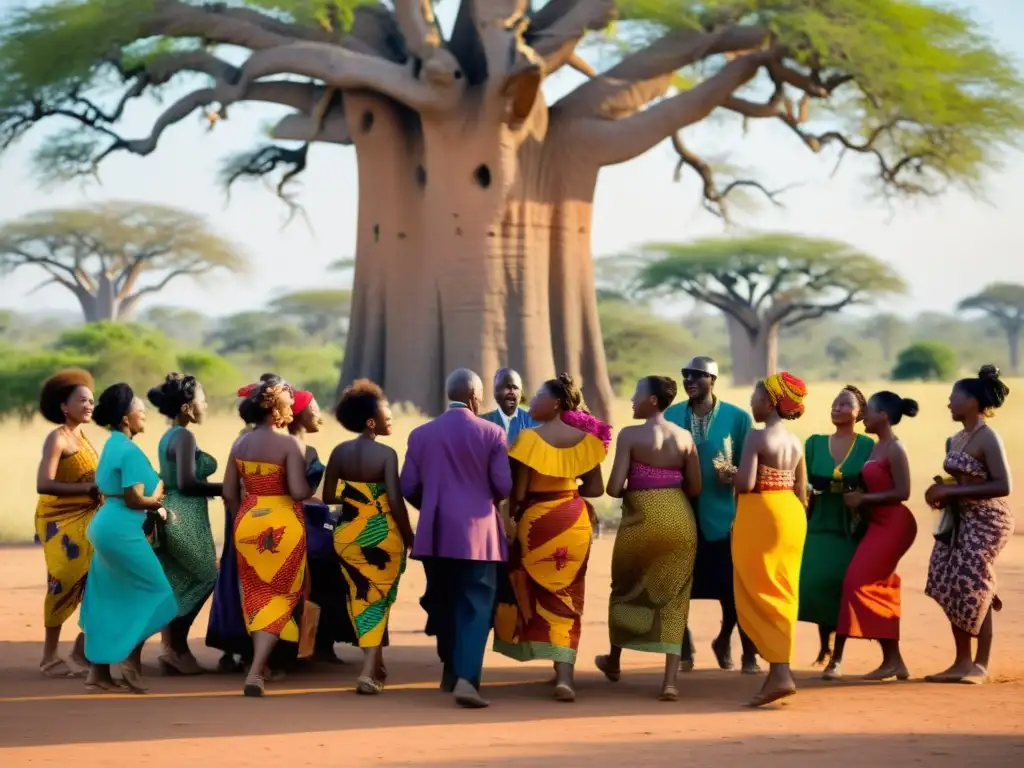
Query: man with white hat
{"type": "Point", "coordinates": [719, 430]}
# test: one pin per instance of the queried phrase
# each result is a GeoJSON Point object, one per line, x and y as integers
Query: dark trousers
{"type": "Point", "coordinates": [459, 601]}
{"type": "Point", "coordinates": [180, 625]}
{"type": "Point", "coordinates": [712, 580]}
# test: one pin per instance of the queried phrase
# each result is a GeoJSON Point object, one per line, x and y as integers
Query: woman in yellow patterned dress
{"type": "Point", "coordinates": [769, 531]}
{"type": "Point", "coordinates": [373, 534]}
{"type": "Point", "coordinates": [269, 528]}
{"type": "Point", "coordinates": [68, 499]}
{"type": "Point", "coordinates": [540, 605]}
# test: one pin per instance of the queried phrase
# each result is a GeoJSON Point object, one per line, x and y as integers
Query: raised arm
{"type": "Point", "coordinates": [183, 450]}
{"type": "Point", "coordinates": [499, 470]}
{"type": "Point", "coordinates": [295, 473]}
{"type": "Point", "coordinates": [46, 482]}
{"type": "Point", "coordinates": [620, 467]}
{"type": "Point", "coordinates": [746, 476]}
{"type": "Point", "coordinates": [332, 476]}
{"type": "Point", "coordinates": [393, 484]}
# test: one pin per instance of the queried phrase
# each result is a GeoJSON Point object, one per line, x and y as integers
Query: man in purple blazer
{"type": "Point", "coordinates": [456, 472]}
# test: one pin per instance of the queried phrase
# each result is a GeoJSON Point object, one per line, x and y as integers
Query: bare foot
{"type": "Point", "coordinates": [896, 670]}
{"type": "Point", "coordinates": [604, 663]}
{"type": "Point", "coordinates": [997, 604]}
{"type": "Point", "coordinates": [686, 665]}
{"type": "Point", "coordinates": [823, 659]}
{"type": "Point", "coordinates": [565, 693]}
{"type": "Point", "coordinates": [58, 668]}
{"type": "Point", "coordinates": [78, 652]}
{"type": "Point", "coordinates": [102, 683]}
{"type": "Point", "coordinates": [750, 666]}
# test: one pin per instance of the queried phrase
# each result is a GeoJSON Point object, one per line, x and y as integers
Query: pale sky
{"type": "Point", "coordinates": [946, 248]}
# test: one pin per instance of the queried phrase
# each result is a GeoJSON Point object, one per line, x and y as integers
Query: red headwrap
{"type": "Point", "coordinates": [302, 400]}
{"type": "Point", "coordinates": [247, 390]}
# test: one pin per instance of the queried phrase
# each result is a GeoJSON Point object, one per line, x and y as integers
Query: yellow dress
{"type": "Point", "coordinates": [61, 523]}
{"type": "Point", "coordinates": [372, 556]}
{"type": "Point", "coordinates": [540, 606]}
{"type": "Point", "coordinates": [767, 551]}
{"type": "Point", "coordinates": [270, 542]}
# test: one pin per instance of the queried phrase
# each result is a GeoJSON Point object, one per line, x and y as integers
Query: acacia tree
{"type": "Point", "coordinates": [112, 255]}
{"type": "Point", "coordinates": [322, 313]}
{"type": "Point", "coordinates": [1004, 303]}
{"type": "Point", "coordinates": [468, 179]}
{"type": "Point", "coordinates": [764, 283]}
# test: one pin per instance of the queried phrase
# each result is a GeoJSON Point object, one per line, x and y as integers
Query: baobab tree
{"type": "Point", "coordinates": [763, 283]}
{"type": "Point", "coordinates": [473, 237]}
{"type": "Point", "coordinates": [112, 255]}
{"type": "Point", "coordinates": [1004, 303]}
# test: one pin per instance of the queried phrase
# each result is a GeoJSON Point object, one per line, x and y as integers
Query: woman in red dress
{"type": "Point", "coordinates": [870, 605]}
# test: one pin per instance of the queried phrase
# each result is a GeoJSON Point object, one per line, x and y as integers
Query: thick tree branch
{"type": "Point", "coordinates": [341, 68]}
{"type": "Point", "coordinates": [557, 28]}
{"type": "Point", "coordinates": [616, 141]}
{"type": "Point", "coordinates": [127, 304]}
{"type": "Point", "coordinates": [800, 312]}
{"type": "Point", "coordinates": [646, 75]}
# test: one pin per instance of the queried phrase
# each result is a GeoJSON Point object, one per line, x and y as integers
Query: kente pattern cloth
{"type": "Point", "coordinates": [962, 576]}
{"type": "Point", "coordinates": [270, 541]}
{"type": "Point", "coordinates": [652, 571]}
{"type": "Point", "coordinates": [871, 603]}
{"type": "Point", "coordinates": [833, 531]}
{"type": "Point", "coordinates": [540, 602]}
{"type": "Point", "coordinates": [185, 544]}
{"type": "Point", "coordinates": [61, 523]}
{"type": "Point", "coordinates": [372, 556]}
{"type": "Point", "coordinates": [767, 550]}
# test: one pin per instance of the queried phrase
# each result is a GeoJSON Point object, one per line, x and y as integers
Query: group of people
{"type": "Point", "coordinates": [775, 529]}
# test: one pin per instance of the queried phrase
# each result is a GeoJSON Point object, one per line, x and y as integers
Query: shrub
{"type": "Point", "coordinates": [22, 376]}
{"type": "Point", "coordinates": [925, 361]}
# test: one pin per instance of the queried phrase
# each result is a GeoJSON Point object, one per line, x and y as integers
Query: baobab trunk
{"type": "Point", "coordinates": [753, 354]}
{"type": "Point", "coordinates": [469, 254]}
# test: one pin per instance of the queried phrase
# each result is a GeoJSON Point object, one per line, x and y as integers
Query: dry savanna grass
{"type": "Point", "coordinates": [924, 437]}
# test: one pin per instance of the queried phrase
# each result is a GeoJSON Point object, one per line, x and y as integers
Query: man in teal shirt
{"type": "Point", "coordinates": [719, 430]}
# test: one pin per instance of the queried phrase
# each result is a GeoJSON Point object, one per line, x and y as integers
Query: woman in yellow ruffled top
{"type": "Point", "coordinates": [556, 467]}
{"type": "Point", "coordinates": [770, 528]}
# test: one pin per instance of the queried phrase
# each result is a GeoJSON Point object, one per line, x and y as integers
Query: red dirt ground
{"type": "Point", "coordinates": [313, 718]}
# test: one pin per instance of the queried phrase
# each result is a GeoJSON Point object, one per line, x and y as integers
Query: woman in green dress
{"type": "Point", "coordinates": [834, 463]}
{"type": "Point", "coordinates": [184, 542]}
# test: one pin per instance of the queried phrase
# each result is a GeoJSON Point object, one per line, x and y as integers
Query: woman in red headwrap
{"type": "Point", "coordinates": [769, 531]}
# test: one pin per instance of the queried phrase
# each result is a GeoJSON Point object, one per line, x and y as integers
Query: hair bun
{"type": "Point", "coordinates": [909, 407]}
{"type": "Point", "coordinates": [988, 372]}
{"type": "Point", "coordinates": [567, 380]}
{"type": "Point", "coordinates": [155, 395]}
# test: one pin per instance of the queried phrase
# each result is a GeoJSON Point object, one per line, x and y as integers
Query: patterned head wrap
{"type": "Point", "coordinates": [786, 392]}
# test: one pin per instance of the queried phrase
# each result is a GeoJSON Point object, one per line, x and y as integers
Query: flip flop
{"type": "Point", "coordinates": [59, 669]}
{"type": "Point", "coordinates": [367, 686]}
{"type": "Point", "coordinates": [764, 699]}
{"type": "Point", "coordinates": [669, 693]}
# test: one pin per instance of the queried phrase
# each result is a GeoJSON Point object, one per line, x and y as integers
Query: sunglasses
{"type": "Point", "coordinates": [691, 374]}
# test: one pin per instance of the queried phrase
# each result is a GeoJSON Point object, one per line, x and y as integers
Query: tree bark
{"type": "Point", "coordinates": [753, 354]}
{"type": "Point", "coordinates": [473, 250]}
{"type": "Point", "coordinates": [1013, 334]}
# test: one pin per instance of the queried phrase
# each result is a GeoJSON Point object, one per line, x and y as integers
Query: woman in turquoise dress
{"type": "Point", "coordinates": [184, 542]}
{"type": "Point", "coordinates": [834, 463]}
{"type": "Point", "coordinates": [127, 596]}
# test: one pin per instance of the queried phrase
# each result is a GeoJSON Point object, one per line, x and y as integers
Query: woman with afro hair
{"type": "Point", "coordinates": [68, 499]}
